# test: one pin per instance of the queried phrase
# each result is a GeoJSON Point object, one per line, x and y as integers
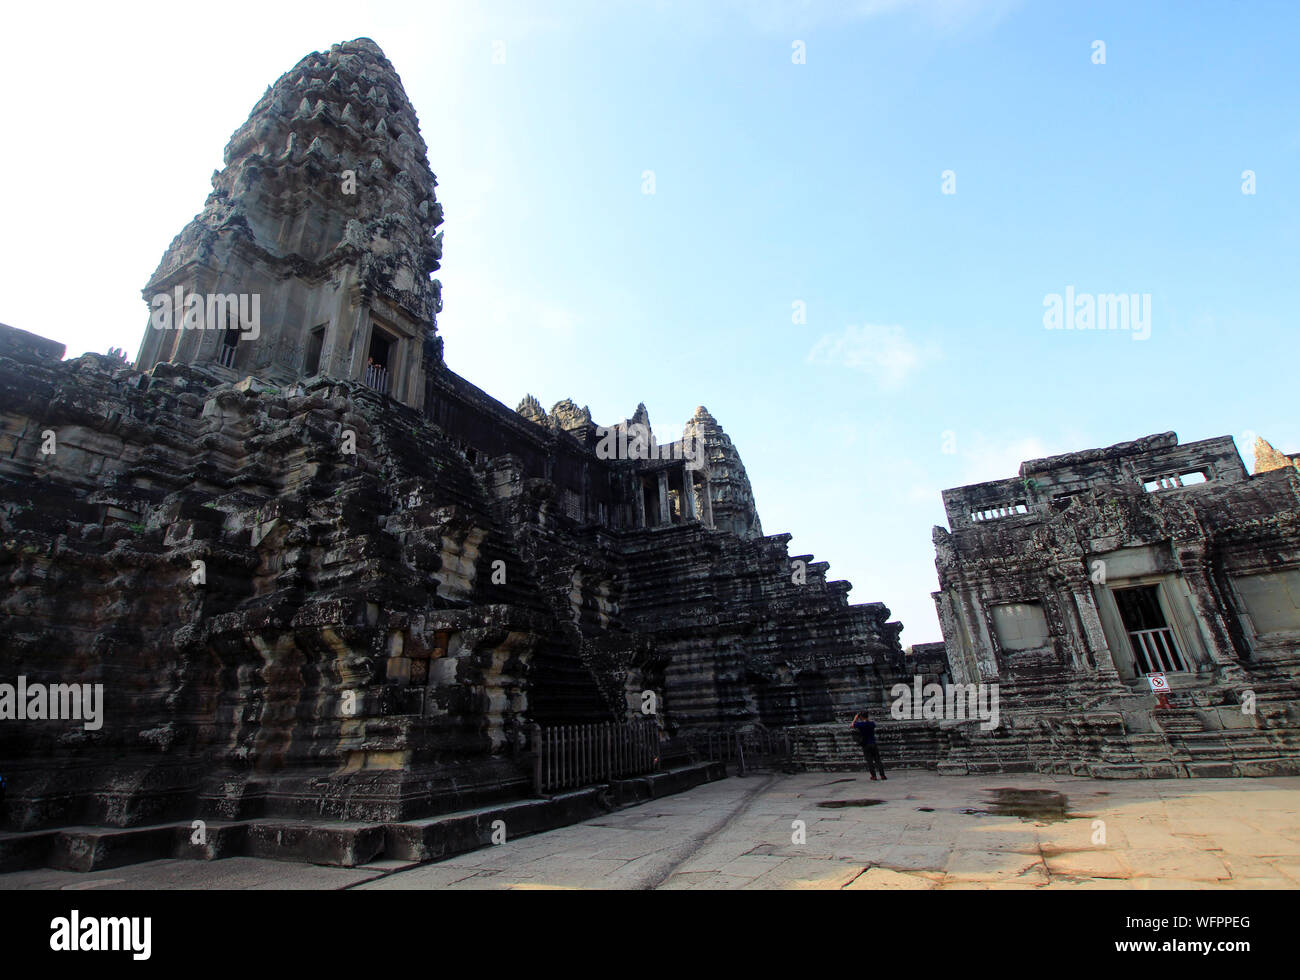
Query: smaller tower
{"type": "Point", "coordinates": [314, 252]}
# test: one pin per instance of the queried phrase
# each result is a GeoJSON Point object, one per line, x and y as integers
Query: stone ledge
{"type": "Point", "coordinates": [24, 345]}
{"type": "Point", "coordinates": [336, 843]}
{"type": "Point", "coordinates": [655, 785]}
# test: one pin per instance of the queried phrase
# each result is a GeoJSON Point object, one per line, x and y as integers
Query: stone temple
{"type": "Point", "coordinates": [288, 568]}
{"type": "Point", "coordinates": [325, 215]}
{"type": "Point", "coordinates": [319, 574]}
{"type": "Point", "coordinates": [1072, 582]}
{"type": "Point", "coordinates": [1068, 585]}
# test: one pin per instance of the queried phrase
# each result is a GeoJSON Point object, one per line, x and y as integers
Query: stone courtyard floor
{"type": "Point", "coordinates": [916, 830]}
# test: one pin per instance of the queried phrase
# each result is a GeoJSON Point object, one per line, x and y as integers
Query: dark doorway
{"type": "Point", "coordinates": [314, 345]}
{"type": "Point", "coordinates": [377, 362]}
{"type": "Point", "coordinates": [1155, 649]}
{"type": "Point", "coordinates": [650, 495]}
{"type": "Point", "coordinates": [229, 345]}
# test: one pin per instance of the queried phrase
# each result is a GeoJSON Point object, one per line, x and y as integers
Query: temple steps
{"type": "Point", "coordinates": [349, 844]}
{"type": "Point", "coordinates": [1098, 746]}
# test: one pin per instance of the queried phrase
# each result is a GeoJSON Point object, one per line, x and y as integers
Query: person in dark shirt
{"type": "Point", "coordinates": [865, 729]}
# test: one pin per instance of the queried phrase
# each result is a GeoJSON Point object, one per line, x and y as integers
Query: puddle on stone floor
{"type": "Point", "coordinates": [837, 804]}
{"type": "Point", "coordinates": [1043, 805]}
{"type": "Point", "coordinates": [925, 809]}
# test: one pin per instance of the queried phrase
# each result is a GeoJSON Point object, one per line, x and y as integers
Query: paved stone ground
{"type": "Point", "coordinates": [928, 832]}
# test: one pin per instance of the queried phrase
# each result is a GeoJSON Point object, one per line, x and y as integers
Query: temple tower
{"type": "Point", "coordinates": [314, 252]}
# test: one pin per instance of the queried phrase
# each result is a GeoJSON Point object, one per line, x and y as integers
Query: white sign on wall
{"type": "Point", "coordinates": [1159, 683]}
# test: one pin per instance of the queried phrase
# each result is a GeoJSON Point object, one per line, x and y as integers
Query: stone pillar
{"type": "Point", "coordinates": [639, 488]}
{"type": "Point", "coordinates": [359, 342]}
{"type": "Point", "coordinates": [963, 609]}
{"type": "Point", "coordinates": [708, 502]}
{"type": "Point", "coordinates": [198, 346]}
{"type": "Point", "coordinates": [276, 305]}
{"type": "Point", "coordinates": [1094, 637]}
{"type": "Point", "coordinates": [152, 349]}
{"type": "Point", "coordinates": [688, 493]}
{"type": "Point", "coordinates": [961, 659]}
{"type": "Point", "coordinates": [664, 516]}
{"type": "Point", "coordinates": [586, 492]}
{"type": "Point", "coordinates": [333, 347]}
{"type": "Point", "coordinates": [1214, 630]}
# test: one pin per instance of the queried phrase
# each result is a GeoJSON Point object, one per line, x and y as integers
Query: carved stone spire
{"type": "Point", "coordinates": [322, 226]}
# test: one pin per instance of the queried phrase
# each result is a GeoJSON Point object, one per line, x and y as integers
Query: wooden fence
{"type": "Point", "coordinates": [569, 756]}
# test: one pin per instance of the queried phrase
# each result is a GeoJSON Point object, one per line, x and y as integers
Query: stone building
{"type": "Point", "coordinates": [319, 574]}
{"type": "Point", "coordinates": [1071, 582]}
{"type": "Point", "coordinates": [320, 231]}
{"type": "Point", "coordinates": [1267, 458]}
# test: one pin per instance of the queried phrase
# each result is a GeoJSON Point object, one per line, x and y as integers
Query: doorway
{"type": "Point", "coordinates": [315, 344]}
{"type": "Point", "coordinates": [377, 362]}
{"type": "Point", "coordinates": [1151, 638]}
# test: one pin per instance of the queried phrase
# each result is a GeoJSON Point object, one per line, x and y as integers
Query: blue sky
{"type": "Point", "coordinates": [775, 183]}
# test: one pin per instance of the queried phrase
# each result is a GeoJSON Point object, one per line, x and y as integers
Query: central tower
{"type": "Point", "coordinates": [315, 250]}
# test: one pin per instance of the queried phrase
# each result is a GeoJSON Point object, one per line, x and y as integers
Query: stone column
{"type": "Point", "coordinates": [1214, 630]}
{"type": "Point", "coordinates": [152, 347]}
{"type": "Point", "coordinates": [1094, 637]}
{"type": "Point", "coordinates": [664, 516]}
{"type": "Point", "coordinates": [397, 369]}
{"type": "Point", "coordinates": [967, 614]}
{"type": "Point", "coordinates": [333, 345]}
{"type": "Point", "coordinates": [197, 346]}
{"type": "Point", "coordinates": [708, 502]}
{"type": "Point", "coordinates": [688, 492]}
{"type": "Point", "coordinates": [639, 490]}
{"type": "Point", "coordinates": [961, 660]}
{"type": "Point", "coordinates": [359, 342]}
{"type": "Point", "coordinates": [586, 492]}
{"type": "Point", "coordinates": [275, 339]}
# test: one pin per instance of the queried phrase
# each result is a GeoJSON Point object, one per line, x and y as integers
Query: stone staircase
{"type": "Point", "coordinates": [1186, 739]}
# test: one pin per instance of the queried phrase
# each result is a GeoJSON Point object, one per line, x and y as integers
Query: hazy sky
{"type": "Point", "coordinates": [775, 184]}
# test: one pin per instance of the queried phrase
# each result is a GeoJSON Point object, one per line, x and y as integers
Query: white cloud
{"type": "Point", "coordinates": [883, 352]}
{"type": "Point", "coordinates": [987, 458]}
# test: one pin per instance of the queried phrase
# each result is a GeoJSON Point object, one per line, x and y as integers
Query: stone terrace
{"type": "Point", "coordinates": [927, 832]}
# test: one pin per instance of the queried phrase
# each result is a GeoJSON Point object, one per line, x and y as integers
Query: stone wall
{"type": "Point", "coordinates": [308, 599]}
{"type": "Point", "coordinates": [1031, 577]}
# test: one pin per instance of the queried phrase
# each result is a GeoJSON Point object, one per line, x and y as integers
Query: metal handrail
{"type": "Point", "coordinates": [570, 756]}
{"type": "Point", "coordinates": [377, 378]}
{"type": "Point", "coordinates": [1156, 650]}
